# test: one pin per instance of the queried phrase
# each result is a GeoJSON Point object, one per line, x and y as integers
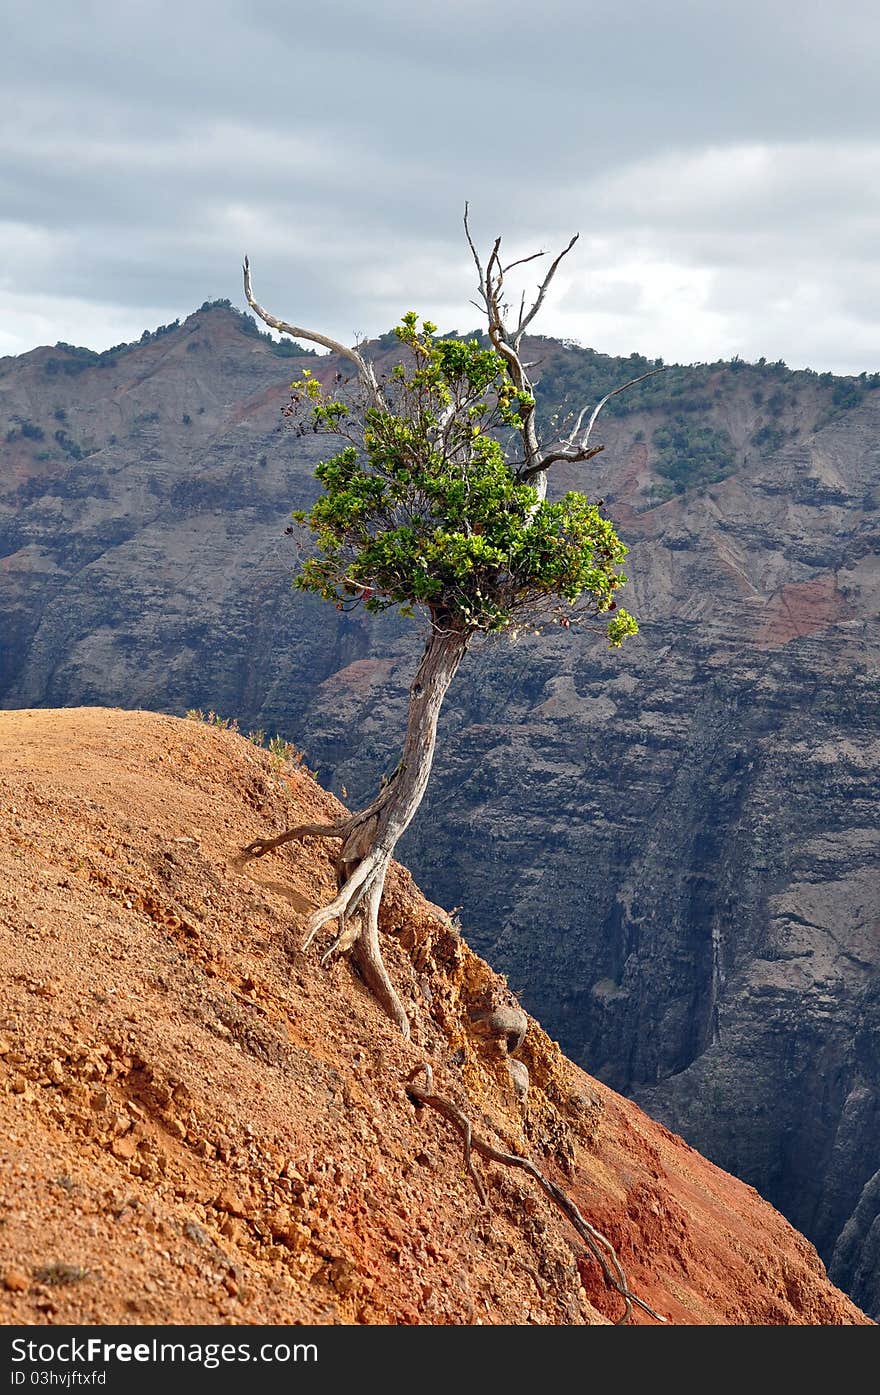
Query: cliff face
{"type": "Point", "coordinates": [670, 850]}
{"type": "Point", "coordinates": [697, 919]}
{"type": "Point", "coordinates": [199, 1124]}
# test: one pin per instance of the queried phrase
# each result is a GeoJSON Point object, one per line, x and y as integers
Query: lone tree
{"type": "Point", "coordinates": [437, 504]}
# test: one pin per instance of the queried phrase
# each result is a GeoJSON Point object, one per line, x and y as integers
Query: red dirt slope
{"type": "Point", "coordinates": [199, 1124]}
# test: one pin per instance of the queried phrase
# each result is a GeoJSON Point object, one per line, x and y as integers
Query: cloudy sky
{"type": "Point", "coordinates": [721, 162]}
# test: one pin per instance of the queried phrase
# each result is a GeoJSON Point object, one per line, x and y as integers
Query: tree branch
{"type": "Point", "coordinates": [524, 322]}
{"type": "Point", "coordinates": [365, 371]}
{"type": "Point", "coordinates": [575, 452]}
{"type": "Point", "coordinates": [521, 261]}
{"type": "Point", "coordinates": [607, 398]}
{"type": "Point", "coordinates": [261, 846]}
{"type": "Point", "coordinates": [573, 455]}
{"type": "Point", "coordinates": [474, 253]}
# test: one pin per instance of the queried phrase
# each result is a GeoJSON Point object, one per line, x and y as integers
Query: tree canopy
{"type": "Point", "coordinates": [425, 505]}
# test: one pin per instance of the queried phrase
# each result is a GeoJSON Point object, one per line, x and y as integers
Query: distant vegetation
{"type": "Point", "coordinates": [691, 453]}
{"type": "Point", "coordinates": [77, 360]}
{"type": "Point", "coordinates": [283, 348]}
{"type": "Point", "coordinates": [689, 447]}
{"type": "Point", "coordinates": [26, 429]}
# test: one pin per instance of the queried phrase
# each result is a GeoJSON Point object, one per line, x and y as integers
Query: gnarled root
{"type": "Point", "coordinates": [599, 1246]}
{"type": "Point", "coordinates": [260, 846]}
{"type": "Point", "coordinates": [356, 909]}
{"type": "Point", "coordinates": [370, 837]}
{"type": "Point", "coordinates": [361, 869]}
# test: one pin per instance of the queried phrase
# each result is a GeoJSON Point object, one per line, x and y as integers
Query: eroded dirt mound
{"type": "Point", "coordinates": [199, 1124]}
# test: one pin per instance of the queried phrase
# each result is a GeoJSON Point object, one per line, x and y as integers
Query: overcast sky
{"type": "Point", "coordinates": [721, 162]}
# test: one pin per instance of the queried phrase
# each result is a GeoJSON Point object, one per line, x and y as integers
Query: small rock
{"type": "Point", "coordinates": [279, 1220]}
{"type": "Point", "coordinates": [519, 1077]}
{"type": "Point", "coordinates": [345, 1277]}
{"type": "Point", "coordinates": [231, 1203]}
{"type": "Point", "coordinates": [18, 1084]}
{"type": "Point", "coordinates": [510, 1023]}
{"type": "Point", "coordinates": [298, 1237]}
{"type": "Point", "coordinates": [124, 1148]}
{"type": "Point", "coordinates": [16, 1281]}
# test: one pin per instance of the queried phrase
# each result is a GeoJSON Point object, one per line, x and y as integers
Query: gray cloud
{"type": "Point", "coordinates": [722, 167]}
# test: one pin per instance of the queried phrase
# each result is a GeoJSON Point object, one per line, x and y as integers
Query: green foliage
{"type": "Point", "coordinates": [769, 438]}
{"type": "Point", "coordinates": [846, 393]}
{"type": "Point", "coordinates": [422, 507]}
{"type": "Point", "coordinates": [27, 429]}
{"type": "Point", "coordinates": [691, 453]}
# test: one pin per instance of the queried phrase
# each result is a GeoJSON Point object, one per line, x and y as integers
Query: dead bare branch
{"type": "Point", "coordinates": [608, 396]}
{"type": "Point", "coordinates": [542, 291]}
{"type": "Point", "coordinates": [599, 1245]}
{"type": "Point", "coordinates": [521, 261]}
{"type": "Point", "coordinates": [365, 371]}
{"type": "Point", "coordinates": [574, 455]}
{"type": "Point", "coordinates": [474, 253]}
{"type": "Point", "coordinates": [570, 449]}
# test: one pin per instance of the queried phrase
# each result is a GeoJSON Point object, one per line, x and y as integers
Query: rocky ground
{"type": "Point", "coordinates": [199, 1124]}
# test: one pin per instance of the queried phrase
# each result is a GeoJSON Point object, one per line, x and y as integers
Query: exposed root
{"type": "Point", "coordinates": [260, 846]}
{"type": "Point", "coordinates": [598, 1245]}
{"type": "Point", "coordinates": [360, 878]}
{"type": "Point", "coordinates": [367, 954]}
{"type": "Point", "coordinates": [370, 836]}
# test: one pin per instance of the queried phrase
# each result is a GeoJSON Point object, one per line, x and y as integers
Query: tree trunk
{"type": "Point", "coordinates": [370, 836]}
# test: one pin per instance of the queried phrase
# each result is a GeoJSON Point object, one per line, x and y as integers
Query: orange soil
{"type": "Point", "coordinates": [199, 1124]}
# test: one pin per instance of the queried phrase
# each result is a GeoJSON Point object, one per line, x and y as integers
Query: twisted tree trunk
{"type": "Point", "coordinates": [370, 836]}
